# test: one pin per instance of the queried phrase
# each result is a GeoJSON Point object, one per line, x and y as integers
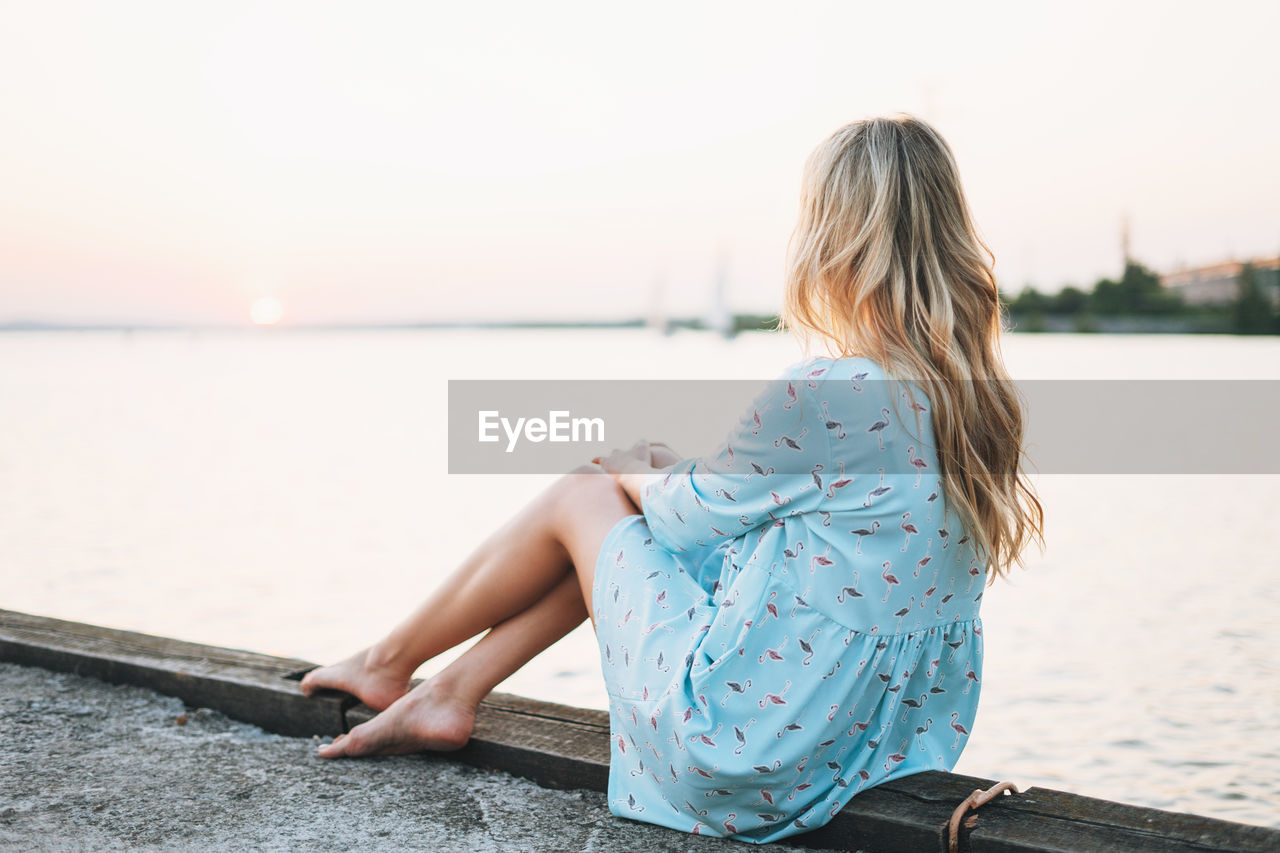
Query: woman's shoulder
{"type": "Point", "coordinates": [839, 383]}
{"type": "Point", "coordinates": [852, 367]}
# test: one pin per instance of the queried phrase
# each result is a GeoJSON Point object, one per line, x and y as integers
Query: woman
{"type": "Point", "coordinates": [794, 618]}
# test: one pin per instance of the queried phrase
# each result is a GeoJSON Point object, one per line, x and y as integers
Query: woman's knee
{"type": "Point", "coordinates": [588, 485]}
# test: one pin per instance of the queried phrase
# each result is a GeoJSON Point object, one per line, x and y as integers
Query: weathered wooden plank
{"type": "Point", "coordinates": [936, 787]}
{"type": "Point", "coordinates": [564, 747]}
{"type": "Point", "coordinates": [245, 685]}
{"type": "Point", "coordinates": [1191, 828]}
{"type": "Point", "coordinates": [549, 710]}
{"type": "Point", "coordinates": [1041, 819]}
{"type": "Point", "coordinates": [904, 814]}
{"type": "Point", "coordinates": [557, 746]}
{"type": "Point", "coordinates": [882, 821]}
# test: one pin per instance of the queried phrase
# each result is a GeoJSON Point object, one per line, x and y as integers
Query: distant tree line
{"type": "Point", "coordinates": [1139, 293]}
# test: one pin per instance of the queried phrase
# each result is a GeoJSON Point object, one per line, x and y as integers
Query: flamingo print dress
{"type": "Point", "coordinates": [793, 619]}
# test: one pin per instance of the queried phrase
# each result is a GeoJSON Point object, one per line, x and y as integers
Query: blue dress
{"type": "Point", "coordinates": [793, 619]}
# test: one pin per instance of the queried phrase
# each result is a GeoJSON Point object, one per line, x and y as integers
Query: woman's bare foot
{"type": "Point", "coordinates": [360, 675]}
{"type": "Point", "coordinates": [428, 717]}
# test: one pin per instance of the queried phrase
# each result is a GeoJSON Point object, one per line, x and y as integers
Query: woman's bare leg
{"type": "Point", "coordinates": [439, 713]}
{"type": "Point", "coordinates": [559, 533]}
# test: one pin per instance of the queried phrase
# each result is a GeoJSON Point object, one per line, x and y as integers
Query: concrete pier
{"type": "Point", "coordinates": [109, 764]}
{"type": "Point", "coordinates": [86, 765]}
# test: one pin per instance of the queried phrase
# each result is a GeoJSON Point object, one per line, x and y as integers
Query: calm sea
{"type": "Point", "coordinates": [287, 492]}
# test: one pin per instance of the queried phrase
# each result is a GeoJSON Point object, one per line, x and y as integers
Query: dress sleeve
{"type": "Point", "coordinates": [767, 468]}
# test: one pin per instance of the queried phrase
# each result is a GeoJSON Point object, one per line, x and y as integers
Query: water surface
{"type": "Point", "coordinates": [287, 492]}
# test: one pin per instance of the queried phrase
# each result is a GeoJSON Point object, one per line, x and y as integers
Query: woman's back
{"type": "Point", "coordinates": [795, 617]}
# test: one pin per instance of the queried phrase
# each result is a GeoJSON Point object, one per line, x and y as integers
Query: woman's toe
{"type": "Point", "coordinates": [360, 743]}
{"type": "Point", "coordinates": [311, 682]}
{"type": "Point", "coordinates": [334, 749]}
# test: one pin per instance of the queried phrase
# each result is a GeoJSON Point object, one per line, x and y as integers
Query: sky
{"type": "Point", "coordinates": [400, 162]}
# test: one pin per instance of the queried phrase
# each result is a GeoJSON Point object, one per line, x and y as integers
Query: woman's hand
{"type": "Point", "coordinates": [655, 455]}
{"type": "Point", "coordinates": [662, 456]}
{"type": "Point", "coordinates": [633, 468]}
{"type": "Point", "coordinates": [638, 457]}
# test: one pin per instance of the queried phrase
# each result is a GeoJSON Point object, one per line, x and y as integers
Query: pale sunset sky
{"type": "Point", "coordinates": [366, 162]}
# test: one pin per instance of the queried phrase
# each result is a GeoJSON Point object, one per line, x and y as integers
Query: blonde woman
{"type": "Point", "coordinates": [793, 618]}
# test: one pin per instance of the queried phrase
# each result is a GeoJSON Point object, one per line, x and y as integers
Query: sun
{"type": "Point", "coordinates": [266, 311]}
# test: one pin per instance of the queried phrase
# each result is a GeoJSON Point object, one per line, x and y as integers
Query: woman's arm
{"type": "Point", "coordinates": [768, 467]}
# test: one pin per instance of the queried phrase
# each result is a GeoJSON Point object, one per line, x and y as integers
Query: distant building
{"type": "Point", "coordinates": [1217, 284]}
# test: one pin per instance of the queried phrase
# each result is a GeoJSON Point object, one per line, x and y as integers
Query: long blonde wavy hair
{"type": "Point", "coordinates": [885, 262]}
